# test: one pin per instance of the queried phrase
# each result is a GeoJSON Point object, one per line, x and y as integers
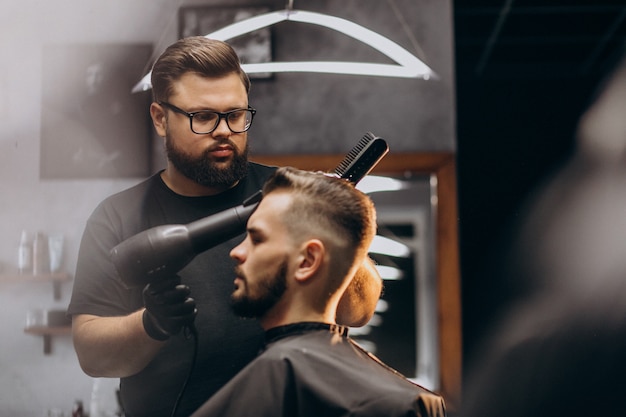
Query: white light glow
{"type": "Point", "coordinates": [408, 65]}
{"type": "Point", "coordinates": [385, 246]}
{"type": "Point", "coordinates": [360, 331]}
{"type": "Point", "coordinates": [389, 273]}
{"type": "Point", "coordinates": [382, 306]}
{"type": "Point", "coordinates": [373, 184]}
{"type": "Point", "coordinates": [375, 321]}
{"type": "Point", "coordinates": [365, 344]}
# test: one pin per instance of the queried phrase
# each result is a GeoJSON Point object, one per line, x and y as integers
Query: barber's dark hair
{"type": "Point", "coordinates": [328, 208]}
{"type": "Point", "coordinates": [198, 55]}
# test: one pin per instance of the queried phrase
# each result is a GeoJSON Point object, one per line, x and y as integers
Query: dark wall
{"type": "Point", "coordinates": [512, 136]}
{"type": "Point", "coordinates": [322, 113]}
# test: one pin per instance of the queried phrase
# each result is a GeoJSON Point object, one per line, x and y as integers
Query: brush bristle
{"type": "Point", "coordinates": [362, 158]}
{"type": "Point", "coordinates": [354, 152]}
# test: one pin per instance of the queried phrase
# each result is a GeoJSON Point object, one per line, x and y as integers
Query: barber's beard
{"type": "Point", "coordinates": [203, 169]}
{"type": "Point", "coordinates": [269, 291]}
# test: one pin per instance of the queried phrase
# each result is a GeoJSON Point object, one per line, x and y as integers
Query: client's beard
{"type": "Point", "coordinates": [203, 170]}
{"type": "Point", "coordinates": [273, 289]}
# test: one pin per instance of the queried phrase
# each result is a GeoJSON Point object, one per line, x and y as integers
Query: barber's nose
{"type": "Point", "coordinates": [222, 129]}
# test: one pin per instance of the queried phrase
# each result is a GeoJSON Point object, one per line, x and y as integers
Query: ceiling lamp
{"type": "Point", "coordinates": [407, 65]}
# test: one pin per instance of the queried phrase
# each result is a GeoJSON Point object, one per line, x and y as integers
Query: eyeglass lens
{"type": "Point", "coordinates": [206, 121]}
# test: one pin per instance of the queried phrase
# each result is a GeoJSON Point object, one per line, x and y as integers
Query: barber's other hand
{"type": "Point", "coordinates": [168, 308]}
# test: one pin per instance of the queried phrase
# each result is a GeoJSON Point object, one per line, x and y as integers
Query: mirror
{"type": "Point", "coordinates": [417, 329]}
{"type": "Point", "coordinates": [402, 332]}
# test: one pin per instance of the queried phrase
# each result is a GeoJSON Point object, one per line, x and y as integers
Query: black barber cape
{"type": "Point", "coordinates": [316, 370]}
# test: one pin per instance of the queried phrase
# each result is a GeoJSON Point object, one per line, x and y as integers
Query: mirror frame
{"type": "Point", "coordinates": [441, 166]}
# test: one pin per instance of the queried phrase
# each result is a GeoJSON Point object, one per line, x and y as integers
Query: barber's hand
{"type": "Point", "coordinates": [168, 308]}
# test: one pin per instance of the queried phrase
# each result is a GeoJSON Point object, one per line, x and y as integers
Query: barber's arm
{"type": "Point", "coordinates": [123, 346]}
{"type": "Point", "coordinates": [358, 302]}
{"type": "Point", "coordinates": [113, 347]}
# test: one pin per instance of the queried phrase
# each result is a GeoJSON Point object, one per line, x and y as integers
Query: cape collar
{"type": "Point", "coordinates": [279, 332]}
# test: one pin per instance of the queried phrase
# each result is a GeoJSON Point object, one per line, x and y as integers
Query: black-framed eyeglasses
{"type": "Point", "coordinates": [206, 121]}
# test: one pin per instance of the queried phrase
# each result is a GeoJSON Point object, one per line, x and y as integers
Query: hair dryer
{"type": "Point", "coordinates": [162, 251]}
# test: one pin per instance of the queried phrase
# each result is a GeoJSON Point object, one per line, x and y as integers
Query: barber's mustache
{"type": "Point", "coordinates": [221, 144]}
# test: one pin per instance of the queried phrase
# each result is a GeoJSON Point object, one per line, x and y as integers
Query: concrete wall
{"type": "Point", "coordinates": [298, 113]}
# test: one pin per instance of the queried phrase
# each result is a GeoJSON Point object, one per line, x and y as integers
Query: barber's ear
{"type": "Point", "coordinates": [310, 259]}
{"type": "Point", "coordinates": [157, 113]}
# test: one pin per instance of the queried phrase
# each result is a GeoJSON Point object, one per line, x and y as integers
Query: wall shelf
{"type": "Point", "coordinates": [47, 332]}
{"type": "Point", "coordinates": [55, 278]}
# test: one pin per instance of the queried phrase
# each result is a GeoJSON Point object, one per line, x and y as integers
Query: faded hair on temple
{"type": "Point", "coordinates": [327, 208]}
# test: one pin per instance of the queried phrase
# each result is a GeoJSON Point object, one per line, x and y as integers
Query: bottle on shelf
{"type": "Point", "coordinates": [96, 399]}
{"type": "Point", "coordinates": [25, 255]}
{"type": "Point", "coordinates": [77, 409]}
{"type": "Point", "coordinates": [41, 254]}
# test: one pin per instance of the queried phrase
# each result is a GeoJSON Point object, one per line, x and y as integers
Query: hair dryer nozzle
{"type": "Point", "coordinates": [157, 253]}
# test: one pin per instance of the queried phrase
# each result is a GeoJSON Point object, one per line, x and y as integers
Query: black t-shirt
{"type": "Point", "coordinates": [226, 343]}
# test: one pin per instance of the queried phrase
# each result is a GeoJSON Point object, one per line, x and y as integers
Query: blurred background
{"type": "Point", "coordinates": [526, 70]}
{"type": "Point", "coordinates": [513, 79]}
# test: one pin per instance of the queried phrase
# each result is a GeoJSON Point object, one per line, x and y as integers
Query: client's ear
{"type": "Point", "coordinates": [310, 259]}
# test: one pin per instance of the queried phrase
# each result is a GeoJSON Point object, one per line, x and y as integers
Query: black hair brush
{"type": "Point", "coordinates": [362, 158]}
